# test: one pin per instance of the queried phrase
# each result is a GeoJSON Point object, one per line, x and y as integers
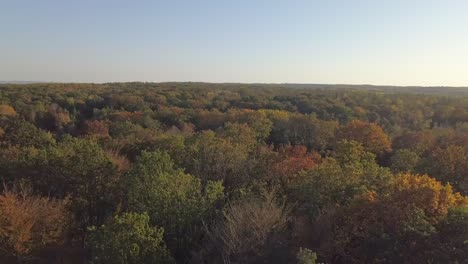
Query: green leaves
{"type": "Point", "coordinates": [22, 133]}
{"type": "Point", "coordinates": [404, 160]}
{"type": "Point", "coordinates": [336, 181]}
{"type": "Point", "coordinates": [128, 239]}
{"type": "Point", "coordinates": [172, 199]}
{"type": "Point", "coordinates": [306, 256]}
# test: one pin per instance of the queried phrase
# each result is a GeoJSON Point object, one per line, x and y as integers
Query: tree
{"type": "Point", "coordinates": [80, 169]}
{"type": "Point", "coordinates": [173, 200]}
{"type": "Point", "coordinates": [30, 223]}
{"type": "Point", "coordinates": [56, 118]}
{"type": "Point", "coordinates": [128, 239]}
{"type": "Point", "coordinates": [303, 130]}
{"type": "Point", "coordinates": [306, 256]}
{"type": "Point", "coordinates": [209, 120]}
{"type": "Point", "coordinates": [391, 227]}
{"type": "Point", "coordinates": [6, 110]}
{"type": "Point", "coordinates": [404, 160]}
{"type": "Point", "coordinates": [211, 157]}
{"type": "Point", "coordinates": [257, 120]}
{"type": "Point", "coordinates": [449, 164]}
{"type": "Point", "coordinates": [22, 133]}
{"type": "Point", "coordinates": [418, 142]}
{"type": "Point", "coordinates": [74, 168]}
{"type": "Point", "coordinates": [240, 134]}
{"type": "Point", "coordinates": [452, 240]}
{"type": "Point", "coordinates": [96, 128]}
{"type": "Point", "coordinates": [370, 135]}
{"type": "Point", "coordinates": [426, 193]}
{"type": "Point", "coordinates": [291, 161]}
{"type": "Point", "coordinates": [250, 231]}
{"type": "Point", "coordinates": [336, 181]}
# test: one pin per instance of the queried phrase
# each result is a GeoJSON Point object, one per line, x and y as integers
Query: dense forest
{"type": "Point", "coordinates": [232, 173]}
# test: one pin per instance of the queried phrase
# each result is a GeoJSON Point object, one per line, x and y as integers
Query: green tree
{"type": "Point", "coordinates": [305, 130]}
{"type": "Point", "coordinates": [74, 168]}
{"type": "Point", "coordinates": [452, 241]}
{"type": "Point", "coordinates": [239, 134]}
{"type": "Point", "coordinates": [128, 239]}
{"type": "Point", "coordinates": [336, 181]}
{"type": "Point", "coordinates": [80, 168]}
{"type": "Point", "coordinates": [22, 133]}
{"type": "Point", "coordinates": [449, 164]}
{"type": "Point", "coordinates": [257, 120]}
{"type": "Point", "coordinates": [306, 256]}
{"type": "Point", "coordinates": [211, 157]}
{"type": "Point", "coordinates": [174, 200]}
{"type": "Point", "coordinates": [404, 160]}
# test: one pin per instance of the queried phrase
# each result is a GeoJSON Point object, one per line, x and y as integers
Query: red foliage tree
{"type": "Point", "coordinates": [292, 160]}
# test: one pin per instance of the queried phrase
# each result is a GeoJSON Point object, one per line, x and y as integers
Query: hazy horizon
{"type": "Point", "coordinates": [392, 43]}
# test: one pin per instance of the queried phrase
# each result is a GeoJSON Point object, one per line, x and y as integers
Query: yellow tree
{"type": "Point", "coordinates": [393, 226]}
{"type": "Point", "coordinates": [6, 110]}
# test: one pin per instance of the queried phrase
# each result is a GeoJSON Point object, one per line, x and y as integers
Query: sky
{"type": "Point", "coordinates": [392, 42]}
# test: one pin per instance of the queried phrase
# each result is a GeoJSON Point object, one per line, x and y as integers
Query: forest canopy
{"type": "Point", "coordinates": [232, 173]}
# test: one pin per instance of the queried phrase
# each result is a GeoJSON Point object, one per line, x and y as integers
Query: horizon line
{"type": "Point", "coordinates": [240, 83]}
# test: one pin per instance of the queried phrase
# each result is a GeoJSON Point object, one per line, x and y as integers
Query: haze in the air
{"type": "Point", "coordinates": [397, 42]}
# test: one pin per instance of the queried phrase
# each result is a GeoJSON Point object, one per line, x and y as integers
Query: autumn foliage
{"type": "Point", "coordinates": [292, 160]}
{"type": "Point", "coordinates": [232, 173]}
{"type": "Point", "coordinates": [31, 223]}
{"type": "Point", "coordinates": [370, 135]}
{"type": "Point", "coordinates": [6, 110]}
{"type": "Point", "coordinates": [408, 215]}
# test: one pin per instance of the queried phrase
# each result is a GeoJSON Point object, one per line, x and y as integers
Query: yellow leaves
{"type": "Point", "coordinates": [395, 108]}
{"type": "Point", "coordinates": [427, 193]}
{"type": "Point", "coordinates": [411, 193]}
{"type": "Point", "coordinates": [276, 114]}
{"type": "Point", "coordinates": [63, 118]}
{"type": "Point", "coordinates": [406, 213]}
{"type": "Point", "coordinates": [6, 110]}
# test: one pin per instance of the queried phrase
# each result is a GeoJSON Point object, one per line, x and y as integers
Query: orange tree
{"type": "Point", "coordinates": [370, 135]}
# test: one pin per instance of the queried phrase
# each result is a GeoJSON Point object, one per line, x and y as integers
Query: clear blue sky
{"type": "Point", "coordinates": [400, 42]}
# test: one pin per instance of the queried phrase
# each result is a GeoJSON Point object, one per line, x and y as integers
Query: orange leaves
{"type": "Point", "coordinates": [400, 219]}
{"type": "Point", "coordinates": [96, 128]}
{"type": "Point", "coordinates": [370, 135]}
{"type": "Point", "coordinates": [426, 193]}
{"type": "Point", "coordinates": [29, 222]}
{"type": "Point", "coordinates": [293, 160]}
{"type": "Point", "coordinates": [411, 194]}
{"type": "Point", "coordinates": [6, 110]}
